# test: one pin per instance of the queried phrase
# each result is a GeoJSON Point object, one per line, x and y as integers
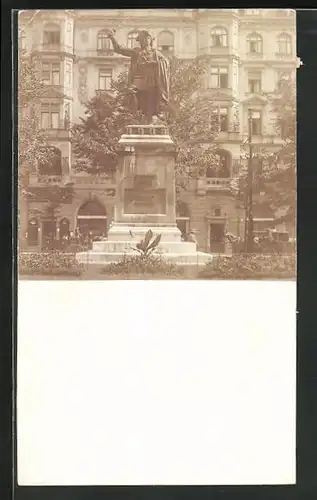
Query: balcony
{"type": "Point", "coordinates": [214, 50]}
{"type": "Point", "coordinates": [229, 136]}
{"type": "Point", "coordinates": [263, 140]}
{"type": "Point", "coordinates": [284, 57]}
{"type": "Point", "coordinates": [205, 184]}
{"type": "Point", "coordinates": [52, 47]}
{"type": "Point", "coordinates": [100, 54]}
{"type": "Point", "coordinates": [62, 132]}
{"type": "Point", "coordinates": [45, 180]}
{"type": "Point", "coordinates": [89, 181]}
{"type": "Point", "coordinates": [217, 184]}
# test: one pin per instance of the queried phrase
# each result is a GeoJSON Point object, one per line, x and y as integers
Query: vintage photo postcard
{"type": "Point", "coordinates": [156, 340]}
{"type": "Point", "coordinates": [157, 144]}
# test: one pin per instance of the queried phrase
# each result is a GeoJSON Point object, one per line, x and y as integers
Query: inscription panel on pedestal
{"type": "Point", "coordinates": [145, 201]}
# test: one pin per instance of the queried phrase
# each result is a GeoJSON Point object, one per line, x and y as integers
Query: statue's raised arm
{"type": "Point", "coordinates": [124, 51]}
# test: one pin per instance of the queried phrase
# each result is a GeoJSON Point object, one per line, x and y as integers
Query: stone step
{"type": "Point", "coordinates": [109, 246]}
{"type": "Point", "coordinates": [98, 258]}
{"type": "Point", "coordinates": [136, 233]}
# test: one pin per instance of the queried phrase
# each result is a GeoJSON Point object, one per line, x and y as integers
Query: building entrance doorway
{"type": "Point", "coordinates": [217, 238]}
{"type": "Point", "coordinates": [48, 234]}
{"type": "Point", "coordinates": [92, 218]}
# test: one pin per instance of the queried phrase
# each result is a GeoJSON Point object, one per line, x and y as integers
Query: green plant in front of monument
{"type": "Point", "coordinates": [146, 263]}
{"type": "Point", "coordinates": [147, 246]}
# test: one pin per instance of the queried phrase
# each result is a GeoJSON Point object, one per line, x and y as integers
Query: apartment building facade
{"type": "Point", "coordinates": [249, 50]}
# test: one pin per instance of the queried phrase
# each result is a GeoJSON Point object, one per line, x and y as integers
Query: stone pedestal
{"type": "Point", "coordinates": [145, 199]}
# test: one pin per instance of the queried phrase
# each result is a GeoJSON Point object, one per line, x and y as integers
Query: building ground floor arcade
{"type": "Point", "coordinates": [210, 215]}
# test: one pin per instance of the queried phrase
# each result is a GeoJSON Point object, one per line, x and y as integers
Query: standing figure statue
{"type": "Point", "coordinates": [149, 75]}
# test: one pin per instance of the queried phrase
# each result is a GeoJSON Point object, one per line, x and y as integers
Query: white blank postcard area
{"type": "Point", "coordinates": [156, 383]}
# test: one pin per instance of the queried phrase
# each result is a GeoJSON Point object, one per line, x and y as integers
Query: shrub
{"type": "Point", "coordinates": [250, 266]}
{"type": "Point", "coordinates": [140, 266]}
{"type": "Point", "coordinates": [49, 263]}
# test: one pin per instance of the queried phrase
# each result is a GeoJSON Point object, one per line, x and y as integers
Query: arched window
{"type": "Point", "coordinates": [92, 218]}
{"type": "Point", "coordinates": [284, 44]}
{"type": "Point", "coordinates": [255, 45]}
{"type": "Point", "coordinates": [165, 43]}
{"type": "Point", "coordinates": [219, 37]}
{"type": "Point", "coordinates": [223, 168]}
{"type": "Point", "coordinates": [51, 34]}
{"type": "Point", "coordinates": [103, 42]}
{"type": "Point", "coordinates": [132, 43]}
{"type": "Point", "coordinates": [33, 232]}
{"type": "Point", "coordinates": [52, 165]}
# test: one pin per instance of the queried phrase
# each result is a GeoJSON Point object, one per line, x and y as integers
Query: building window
{"type": "Point", "coordinates": [92, 219]}
{"type": "Point", "coordinates": [256, 122]}
{"type": "Point", "coordinates": [33, 232]}
{"type": "Point", "coordinates": [51, 73]}
{"type": "Point", "coordinates": [132, 43]}
{"type": "Point", "coordinates": [51, 35]}
{"type": "Point", "coordinates": [105, 79]}
{"type": "Point", "coordinates": [68, 73]}
{"type": "Point", "coordinates": [218, 78]}
{"type": "Point", "coordinates": [103, 41]}
{"type": "Point", "coordinates": [283, 76]}
{"type": "Point", "coordinates": [254, 43]}
{"type": "Point", "coordinates": [50, 115]}
{"type": "Point", "coordinates": [63, 228]}
{"type": "Point", "coordinates": [222, 118]}
{"type": "Point", "coordinates": [284, 44]}
{"type": "Point", "coordinates": [217, 212]}
{"type": "Point", "coordinates": [53, 165]}
{"type": "Point", "coordinates": [166, 43]}
{"type": "Point", "coordinates": [219, 37]}
{"type": "Point", "coordinates": [254, 82]}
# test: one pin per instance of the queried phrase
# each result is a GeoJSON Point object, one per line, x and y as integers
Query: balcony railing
{"type": "Point", "coordinates": [105, 181]}
{"type": "Point", "coordinates": [52, 47]}
{"type": "Point", "coordinates": [218, 184]}
{"type": "Point", "coordinates": [45, 180]}
{"type": "Point", "coordinates": [217, 50]}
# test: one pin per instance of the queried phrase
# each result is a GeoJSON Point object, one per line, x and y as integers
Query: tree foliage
{"type": "Point", "coordinates": [95, 138]}
{"type": "Point", "coordinates": [274, 170]}
{"type": "Point", "coordinates": [33, 147]}
{"type": "Point", "coordinates": [31, 140]}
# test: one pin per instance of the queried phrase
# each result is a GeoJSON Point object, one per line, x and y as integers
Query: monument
{"type": "Point", "coordinates": [145, 178]}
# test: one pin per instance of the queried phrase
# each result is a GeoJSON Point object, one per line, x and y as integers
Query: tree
{"type": "Point", "coordinates": [34, 150]}
{"type": "Point", "coordinates": [31, 140]}
{"type": "Point", "coordinates": [278, 177]}
{"type": "Point", "coordinates": [191, 123]}
{"type": "Point", "coordinates": [274, 171]}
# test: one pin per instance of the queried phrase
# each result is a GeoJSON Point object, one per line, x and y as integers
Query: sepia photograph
{"type": "Point", "coordinates": [156, 298]}
{"type": "Point", "coordinates": [157, 144]}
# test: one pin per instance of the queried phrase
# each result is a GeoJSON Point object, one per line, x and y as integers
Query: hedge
{"type": "Point", "coordinates": [49, 263]}
{"type": "Point", "coordinates": [250, 267]}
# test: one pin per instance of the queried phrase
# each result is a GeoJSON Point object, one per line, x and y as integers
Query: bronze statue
{"type": "Point", "coordinates": [149, 77]}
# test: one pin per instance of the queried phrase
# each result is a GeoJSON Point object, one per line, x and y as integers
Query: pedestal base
{"type": "Point", "coordinates": [123, 239]}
